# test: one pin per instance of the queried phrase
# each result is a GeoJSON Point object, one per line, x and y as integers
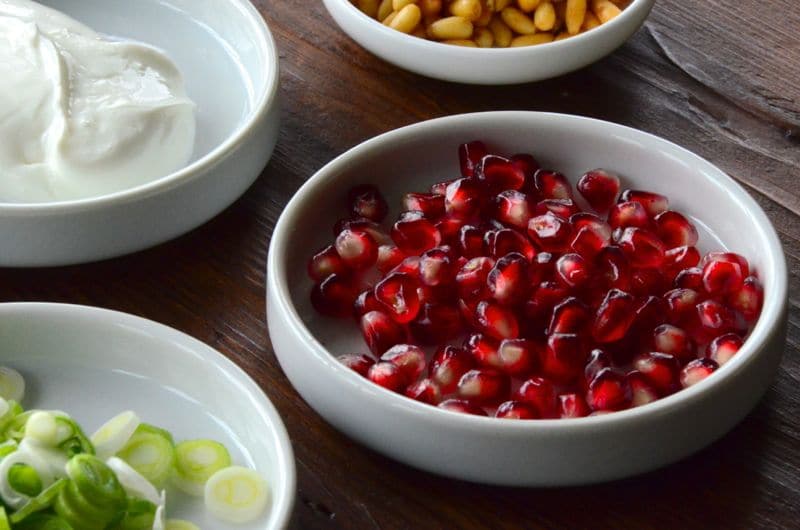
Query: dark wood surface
{"type": "Point", "coordinates": [721, 78]}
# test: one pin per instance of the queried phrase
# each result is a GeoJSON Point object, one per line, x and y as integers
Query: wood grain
{"type": "Point", "coordinates": [720, 78]}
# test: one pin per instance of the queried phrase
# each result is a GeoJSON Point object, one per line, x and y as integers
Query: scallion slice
{"type": "Point", "coordinates": [12, 384]}
{"type": "Point", "coordinates": [180, 524]}
{"type": "Point", "coordinates": [236, 494]}
{"type": "Point", "coordinates": [195, 462]}
{"type": "Point", "coordinates": [114, 434]}
{"type": "Point", "coordinates": [132, 481]}
{"type": "Point", "coordinates": [151, 452]}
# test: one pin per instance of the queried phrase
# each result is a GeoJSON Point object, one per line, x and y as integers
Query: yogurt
{"type": "Point", "coordinates": [82, 115]}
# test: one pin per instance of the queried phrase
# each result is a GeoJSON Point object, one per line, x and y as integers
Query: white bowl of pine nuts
{"type": "Point", "coordinates": [491, 42]}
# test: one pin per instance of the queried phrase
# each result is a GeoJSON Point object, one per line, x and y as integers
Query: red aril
{"type": "Point", "coordinates": [462, 406]}
{"type": "Point", "coordinates": [542, 300]}
{"type": "Point", "coordinates": [496, 321]}
{"type": "Point", "coordinates": [471, 278]}
{"type": "Point", "coordinates": [564, 358]}
{"type": "Point", "coordinates": [731, 257]}
{"type": "Point", "coordinates": [409, 265]}
{"type": "Point", "coordinates": [572, 270]}
{"type": "Point", "coordinates": [381, 332]}
{"type": "Point", "coordinates": [437, 267]}
{"type": "Point", "coordinates": [387, 375]}
{"type": "Point", "coordinates": [426, 391]}
{"type": "Point", "coordinates": [431, 205]}
{"type": "Point", "coordinates": [324, 263]}
{"type": "Point", "coordinates": [660, 370]}
{"type": "Point", "coordinates": [675, 230]}
{"type": "Point", "coordinates": [464, 198]}
{"type": "Point", "coordinates": [552, 184]}
{"type": "Point", "coordinates": [680, 258]}
{"type": "Point", "coordinates": [541, 394]}
{"type": "Point", "coordinates": [450, 229]}
{"type": "Point", "coordinates": [470, 241]}
{"type": "Point", "coordinates": [483, 350]}
{"type": "Point", "coordinates": [414, 234]}
{"type": "Point", "coordinates": [516, 410]}
{"type": "Point", "coordinates": [569, 316]}
{"type": "Point", "coordinates": [358, 362]}
{"type": "Point", "coordinates": [691, 278]}
{"type": "Point", "coordinates": [499, 174]}
{"type": "Point", "coordinates": [564, 208]}
{"type": "Point", "coordinates": [642, 391]}
{"type": "Point", "coordinates": [722, 277]}
{"type": "Point", "coordinates": [613, 317]}
{"type": "Point", "coordinates": [470, 154]}
{"type": "Point", "coordinates": [598, 359]}
{"type": "Point", "coordinates": [484, 386]}
{"type": "Point", "coordinates": [696, 371]}
{"type": "Point", "coordinates": [508, 280]}
{"type": "Point", "coordinates": [440, 188]}
{"type": "Point", "coordinates": [527, 164]}
{"type": "Point", "coordinates": [409, 358]}
{"type": "Point", "coordinates": [398, 294]}
{"type": "Point", "coordinates": [600, 189]}
{"type": "Point", "coordinates": [549, 232]}
{"type": "Point", "coordinates": [715, 318]}
{"type": "Point", "coordinates": [642, 248]}
{"type": "Point", "coordinates": [612, 270]}
{"type": "Point", "coordinates": [448, 365]}
{"type": "Point", "coordinates": [365, 303]}
{"type": "Point", "coordinates": [367, 202]}
{"type": "Point", "coordinates": [356, 248]}
{"type": "Point", "coordinates": [628, 214]}
{"type": "Point", "coordinates": [680, 303]}
{"type": "Point", "coordinates": [334, 296]}
{"type": "Point", "coordinates": [517, 357]}
{"type": "Point", "coordinates": [361, 224]}
{"type": "Point", "coordinates": [436, 323]}
{"type": "Point", "coordinates": [609, 390]}
{"type": "Point", "coordinates": [674, 341]}
{"type": "Point", "coordinates": [588, 242]}
{"type": "Point", "coordinates": [511, 208]}
{"type": "Point", "coordinates": [506, 241]}
{"type": "Point", "coordinates": [651, 311]}
{"type": "Point", "coordinates": [653, 203]}
{"type": "Point", "coordinates": [644, 282]}
{"type": "Point", "coordinates": [748, 299]}
{"type": "Point", "coordinates": [572, 406]}
{"type": "Point", "coordinates": [389, 257]}
{"type": "Point", "coordinates": [723, 348]}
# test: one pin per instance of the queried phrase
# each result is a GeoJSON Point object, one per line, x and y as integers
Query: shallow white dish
{"type": "Point", "coordinates": [94, 363]}
{"type": "Point", "coordinates": [520, 453]}
{"type": "Point", "coordinates": [230, 65]}
{"type": "Point", "coordinates": [488, 66]}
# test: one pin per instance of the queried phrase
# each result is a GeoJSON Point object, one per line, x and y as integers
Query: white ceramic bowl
{"type": "Point", "coordinates": [487, 66]}
{"type": "Point", "coordinates": [94, 363]}
{"type": "Point", "coordinates": [525, 453]}
{"type": "Point", "coordinates": [230, 64]}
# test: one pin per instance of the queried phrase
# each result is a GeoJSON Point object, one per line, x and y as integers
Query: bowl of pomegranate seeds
{"type": "Point", "coordinates": [475, 297]}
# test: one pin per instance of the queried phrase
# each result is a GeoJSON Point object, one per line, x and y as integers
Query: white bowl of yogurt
{"type": "Point", "coordinates": [125, 124]}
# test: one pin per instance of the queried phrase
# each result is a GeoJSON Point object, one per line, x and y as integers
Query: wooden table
{"type": "Point", "coordinates": [721, 78]}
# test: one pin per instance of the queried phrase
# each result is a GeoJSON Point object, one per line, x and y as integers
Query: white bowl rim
{"type": "Point", "coordinates": [432, 46]}
{"type": "Point", "coordinates": [771, 312]}
{"type": "Point", "coordinates": [283, 446]}
{"type": "Point", "coordinates": [264, 104]}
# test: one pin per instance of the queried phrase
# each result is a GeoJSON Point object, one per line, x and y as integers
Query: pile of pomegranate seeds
{"type": "Point", "coordinates": [566, 312]}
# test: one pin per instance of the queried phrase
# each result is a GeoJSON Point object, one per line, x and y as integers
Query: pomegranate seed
{"type": "Point", "coordinates": [398, 294]}
{"type": "Point", "coordinates": [440, 188]}
{"type": "Point", "coordinates": [552, 184]}
{"type": "Point", "coordinates": [484, 386]}
{"type": "Point", "coordinates": [334, 296]}
{"type": "Point", "coordinates": [484, 350]}
{"type": "Point", "coordinates": [507, 241]}
{"type": "Point", "coordinates": [517, 357]}
{"type": "Point", "coordinates": [589, 240]}
{"type": "Point", "coordinates": [646, 281]}
{"type": "Point", "coordinates": [516, 410]}
{"type": "Point", "coordinates": [409, 358]}
{"type": "Point", "coordinates": [652, 202]}
{"type": "Point", "coordinates": [381, 332]}
{"type": "Point", "coordinates": [674, 341]}
{"type": "Point", "coordinates": [365, 303]}
{"type": "Point", "coordinates": [729, 257]}
{"type": "Point", "coordinates": [425, 391]}
{"type": "Point", "coordinates": [675, 230]}
{"type": "Point", "coordinates": [450, 229]}
{"type": "Point", "coordinates": [660, 370]}
{"type": "Point", "coordinates": [540, 393]}
{"type": "Point", "coordinates": [715, 318]}
{"type": "Point", "coordinates": [367, 202]}
{"type": "Point", "coordinates": [748, 300]}
{"type": "Point", "coordinates": [389, 257]}
{"type": "Point", "coordinates": [721, 349]}
{"type": "Point", "coordinates": [642, 392]}
{"type": "Point", "coordinates": [470, 241]}
{"type": "Point", "coordinates": [598, 359]}
{"type": "Point", "coordinates": [564, 358]}
{"type": "Point", "coordinates": [691, 278]}
{"type": "Point", "coordinates": [324, 263]}
{"type": "Point", "coordinates": [462, 406]}
{"type": "Point", "coordinates": [572, 406]}
{"type": "Point", "coordinates": [600, 189]}
{"type": "Point", "coordinates": [608, 391]}
{"type": "Point", "coordinates": [564, 208]}
{"type": "Point", "coordinates": [496, 320]}
{"type": "Point", "coordinates": [696, 371]}
{"type": "Point", "coordinates": [436, 323]}
{"type": "Point", "coordinates": [409, 265]}
{"type": "Point", "coordinates": [448, 365]}
{"type": "Point", "coordinates": [464, 198]}
{"type": "Point", "coordinates": [642, 248]}
{"type": "Point", "coordinates": [680, 258]}
{"type": "Point", "coordinates": [499, 174]}
{"type": "Point", "coordinates": [413, 234]}
{"type": "Point", "coordinates": [612, 269]}
{"type": "Point", "coordinates": [471, 278]}
{"type": "Point", "coordinates": [526, 163]}
{"type": "Point", "coordinates": [569, 316]}
{"type": "Point", "coordinates": [431, 206]}
{"type": "Point", "coordinates": [387, 375]}
{"type": "Point", "coordinates": [358, 362]}
{"type": "Point", "coordinates": [722, 277]}
{"type": "Point", "coordinates": [436, 267]}
{"type": "Point", "coordinates": [357, 248]}
{"type": "Point", "coordinates": [543, 299]}
{"type": "Point", "coordinates": [649, 314]}
{"type": "Point", "coordinates": [572, 270]}
{"type": "Point", "coordinates": [628, 214]}
{"type": "Point", "coordinates": [468, 309]}
{"type": "Point", "coordinates": [679, 303]}
{"type": "Point", "coordinates": [361, 224]}
{"type": "Point", "coordinates": [614, 316]}
{"type": "Point", "coordinates": [508, 280]}
{"type": "Point", "coordinates": [549, 231]}
{"type": "Point", "coordinates": [511, 208]}
{"type": "Point", "coordinates": [470, 155]}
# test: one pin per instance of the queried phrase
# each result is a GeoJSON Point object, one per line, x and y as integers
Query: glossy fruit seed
{"type": "Point", "coordinates": [541, 394]}
{"type": "Point", "coordinates": [696, 371]}
{"type": "Point", "coordinates": [365, 303]}
{"type": "Point", "coordinates": [380, 332]}
{"type": "Point", "coordinates": [722, 277]}
{"type": "Point", "coordinates": [432, 206]}
{"type": "Point", "coordinates": [642, 392]}
{"type": "Point", "coordinates": [748, 299]}
{"type": "Point", "coordinates": [564, 358]}
{"type": "Point", "coordinates": [448, 365]}
{"type": "Point", "coordinates": [357, 248]}
{"type": "Point", "coordinates": [608, 391]}
{"type": "Point", "coordinates": [572, 406]}
{"type": "Point", "coordinates": [675, 230]}
{"type": "Point", "coordinates": [483, 350]}
{"type": "Point", "coordinates": [324, 263]}
{"type": "Point", "coordinates": [414, 234]}
{"type": "Point", "coordinates": [471, 278]}
{"type": "Point", "coordinates": [497, 321]}
{"type": "Point", "coordinates": [358, 362]}
{"type": "Point", "coordinates": [409, 358]}
{"type": "Point", "coordinates": [334, 296]}
{"type": "Point", "coordinates": [569, 316]}
{"type": "Point", "coordinates": [516, 410]}
{"type": "Point", "coordinates": [499, 174]}
{"type": "Point", "coordinates": [642, 248]}
{"type": "Point", "coordinates": [464, 198]}
{"type": "Point", "coordinates": [550, 232]}
{"type": "Point", "coordinates": [470, 154]}
{"type": "Point", "coordinates": [723, 348]}
{"type": "Point", "coordinates": [652, 202]}
{"type": "Point", "coordinates": [426, 391]}
{"type": "Point", "coordinates": [387, 375]}
{"type": "Point", "coordinates": [660, 370]}
{"type": "Point", "coordinates": [614, 316]}
{"type": "Point", "coordinates": [517, 357]}
{"type": "Point", "coordinates": [398, 294]}
{"type": "Point", "coordinates": [462, 406]}
{"type": "Point", "coordinates": [673, 340]}
{"type": "Point", "coordinates": [691, 278]}
{"type": "Point", "coordinates": [367, 202]}
{"type": "Point", "coordinates": [507, 282]}
{"type": "Point", "coordinates": [484, 386]}
{"type": "Point", "coordinates": [436, 323]}
{"type": "Point", "coordinates": [389, 257]}
{"type": "Point", "coordinates": [512, 208]}
{"type": "Point", "coordinates": [600, 189]}
{"type": "Point", "coordinates": [628, 214]}
{"type": "Point", "coordinates": [572, 270]}
{"type": "Point", "coordinates": [506, 241]}
{"type": "Point", "coordinates": [552, 185]}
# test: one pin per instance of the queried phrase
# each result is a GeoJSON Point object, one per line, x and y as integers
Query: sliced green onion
{"type": "Point", "coordinates": [43, 521]}
{"type": "Point", "coordinates": [13, 423]}
{"type": "Point", "coordinates": [12, 384]}
{"type": "Point", "coordinates": [180, 524]}
{"type": "Point", "coordinates": [236, 494]}
{"type": "Point", "coordinates": [13, 498]}
{"type": "Point", "coordinates": [195, 462]}
{"type": "Point", "coordinates": [4, 524]}
{"type": "Point", "coordinates": [139, 515]}
{"type": "Point", "coordinates": [42, 427]}
{"type": "Point", "coordinates": [43, 501]}
{"type": "Point", "coordinates": [53, 459]}
{"type": "Point", "coordinates": [24, 479]}
{"type": "Point", "coordinates": [151, 452]}
{"type": "Point", "coordinates": [132, 481]}
{"type": "Point", "coordinates": [73, 440]}
{"type": "Point", "coordinates": [7, 447]}
{"type": "Point", "coordinates": [114, 434]}
{"type": "Point", "coordinates": [93, 498]}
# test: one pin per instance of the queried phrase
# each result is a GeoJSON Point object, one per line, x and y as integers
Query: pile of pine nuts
{"type": "Point", "coordinates": [492, 23]}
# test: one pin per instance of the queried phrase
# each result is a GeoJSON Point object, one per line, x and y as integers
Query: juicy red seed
{"type": "Point", "coordinates": [588, 242]}
{"type": "Point", "coordinates": [696, 371]}
{"type": "Point", "coordinates": [516, 410]}
{"type": "Point", "coordinates": [436, 323]}
{"type": "Point", "coordinates": [470, 241]}
{"type": "Point", "coordinates": [612, 268]}
{"type": "Point", "coordinates": [543, 299]}
{"type": "Point", "coordinates": [549, 231]}
{"type": "Point", "coordinates": [471, 278]}
{"type": "Point", "coordinates": [450, 229]}
{"type": "Point", "coordinates": [499, 174]}
{"type": "Point", "coordinates": [572, 270]}
{"type": "Point", "coordinates": [569, 316]}
{"type": "Point", "coordinates": [608, 391]}
{"type": "Point", "coordinates": [722, 277]}
{"type": "Point", "coordinates": [673, 340]}
{"type": "Point", "coordinates": [564, 208]}
{"type": "Point", "coordinates": [729, 257]}
{"type": "Point", "coordinates": [526, 163]}
{"type": "Point", "coordinates": [389, 257]}
{"type": "Point", "coordinates": [357, 248]}
{"type": "Point", "coordinates": [496, 320]}
{"type": "Point", "coordinates": [723, 348]}
{"type": "Point", "coordinates": [642, 248]}
{"type": "Point", "coordinates": [436, 267]}
{"type": "Point", "coordinates": [365, 303]}
{"type": "Point", "coordinates": [366, 201]}
{"type": "Point", "coordinates": [414, 234]}
{"type": "Point", "coordinates": [628, 214]}
{"type": "Point", "coordinates": [540, 393]}
{"type": "Point", "coordinates": [642, 391]}
{"type": "Point", "coordinates": [484, 386]}
{"type": "Point", "coordinates": [484, 350]}
{"type": "Point", "coordinates": [517, 357]}
{"type": "Point", "coordinates": [715, 318]}
{"type": "Point", "coordinates": [681, 258]}
{"type": "Point", "coordinates": [381, 332]}
{"type": "Point", "coordinates": [464, 198]}
{"type": "Point", "coordinates": [432, 206]}
{"type": "Point", "coordinates": [334, 296]}
{"type": "Point", "coordinates": [462, 406]}
{"type": "Point", "coordinates": [398, 294]}
{"type": "Point", "coordinates": [448, 365]}
{"type": "Point", "coordinates": [409, 265]}
{"type": "Point", "coordinates": [468, 309]}
{"type": "Point", "coordinates": [552, 185]}
{"type": "Point", "coordinates": [426, 391]}
{"type": "Point", "coordinates": [675, 230]}
{"type": "Point", "coordinates": [646, 281]}
{"type": "Point", "coordinates": [600, 189]}
{"type": "Point", "coordinates": [507, 241]}
{"type": "Point", "coordinates": [572, 406]}
{"type": "Point", "coordinates": [388, 376]}
{"type": "Point", "coordinates": [660, 370]}
{"type": "Point", "coordinates": [440, 188]}
{"type": "Point", "coordinates": [409, 358]}
{"type": "Point", "coordinates": [652, 202]}
{"type": "Point", "coordinates": [359, 363]}
{"type": "Point", "coordinates": [563, 359]}
{"type": "Point", "coordinates": [511, 207]}
{"type": "Point", "coordinates": [748, 299]}
{"type": "Point", "coordinates": [324, 263]}
{"type": "Point", "coordinates": [614, 317]}
{"type": "Point", "coordinates": [680, 302]}
{"type": "Point", "coordinates": [361, 224]}
{"type": "Point", "coordinates": [470, 154]}
{"type": "Point", "coordinates": [691, 278]}
{"type": "Point", "coordinates": [508, 280]}
{"type": "Point", "coordinates": [598, 359]}
{"type": "Point", "coordinates": [650, 313]}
